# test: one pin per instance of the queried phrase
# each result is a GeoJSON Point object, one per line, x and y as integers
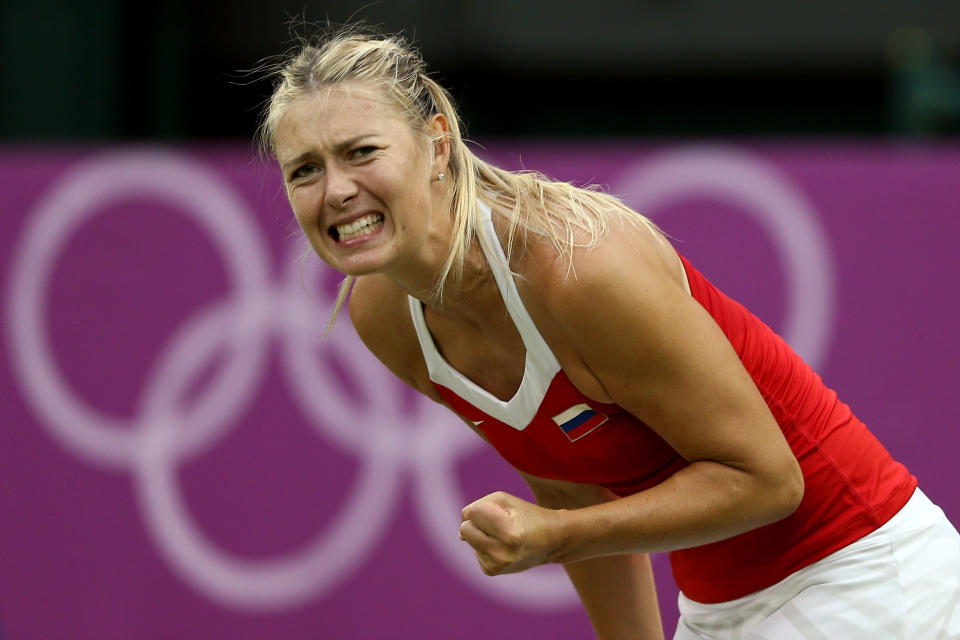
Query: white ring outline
{"type": "Point", "coordinates": [435, 441]}
{"type": "Point", "coordinates": [45, 234]}
{"type": "Point", "coordinates": [152, 446]}
{"type": "Point", "coordinates": [93, 435]}
{"type": "Point", "coordinates": [758, 188]}
{"type": "Point", "coordinates": [346, 424]}
{"type": "Point", "coordinates": [280, 582]}
{"type": "Point", "coordinates": [153, 443]}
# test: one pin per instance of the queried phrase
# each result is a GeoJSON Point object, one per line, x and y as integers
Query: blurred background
{"type": "Point", "coordinates": [182, 454]}
{"type": "Point", "coordinates": [107, 69]}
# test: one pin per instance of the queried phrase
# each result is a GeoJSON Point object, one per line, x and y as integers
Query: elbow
{"type": "Point", "coordinates": [788, 493]}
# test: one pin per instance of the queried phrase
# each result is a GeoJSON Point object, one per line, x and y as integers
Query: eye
{"type": "Point", "coordinates": [303, 171]}
{"type": "Point", "coordinates": [361, 153]}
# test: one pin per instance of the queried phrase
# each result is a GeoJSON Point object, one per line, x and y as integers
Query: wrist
{"type": "Point", "coordinates": [562, 538]}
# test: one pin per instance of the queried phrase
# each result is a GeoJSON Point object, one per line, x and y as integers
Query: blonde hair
{"type": "Point", "coordinates": [568, 215]}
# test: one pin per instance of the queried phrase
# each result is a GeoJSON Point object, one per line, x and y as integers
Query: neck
{"type": "Point", "coordinates": [472, 299]}
{"type": "Point", "coordinates": [468, 299]}
{"type": "Point", "coordinates": [417, 272]}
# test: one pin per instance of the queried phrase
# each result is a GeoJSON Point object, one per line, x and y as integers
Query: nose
{"type": "Point", "coordinates": [340, 188]}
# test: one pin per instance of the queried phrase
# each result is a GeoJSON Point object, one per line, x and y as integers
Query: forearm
{"type": "Point", "coordinates": [618, 592]}
{"type": "Point", "coordinates": [703, 503]}
{"type": "Point", "coordinates": [619, 595]}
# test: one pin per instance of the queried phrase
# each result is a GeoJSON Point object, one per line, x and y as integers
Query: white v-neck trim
{"type": "Point", "coordinates": [540, 366]}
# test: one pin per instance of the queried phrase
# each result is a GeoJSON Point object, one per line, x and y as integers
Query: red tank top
{"type": "Point", "coordinates": [852, 484]}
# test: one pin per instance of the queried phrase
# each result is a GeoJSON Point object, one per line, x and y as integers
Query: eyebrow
{"type": "Point", "coordinates": [337, 148]}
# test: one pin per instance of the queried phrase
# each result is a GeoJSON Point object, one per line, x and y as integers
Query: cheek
{"type": "Point", "coordinates": [300, 202]}
{"type": "Point", "coordinates": [409, 184]}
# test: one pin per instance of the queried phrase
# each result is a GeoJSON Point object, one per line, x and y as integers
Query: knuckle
{"type": "Point", "coordinates": [511, 540]}
{"type": "Point", "coordinates": [503, 558]}
{"type": "Point", "coordinates": [487, 565]}
{"type": "Point", "coordinates": [493, 563]}
{"type": "Point", "coordinates": [510, 535]}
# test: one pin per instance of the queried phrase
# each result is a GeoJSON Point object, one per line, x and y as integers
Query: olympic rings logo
{"type": "Point", "coordinates": [166, 432]}
{"type": "Point", "coordinates": [425, 443]}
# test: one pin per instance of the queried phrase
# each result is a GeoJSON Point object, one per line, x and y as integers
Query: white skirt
{"type": "Point", "coordinates": [901, 582]}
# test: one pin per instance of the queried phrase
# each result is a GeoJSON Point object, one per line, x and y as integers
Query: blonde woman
{"type": "Point", "coordinates": [647, 411]}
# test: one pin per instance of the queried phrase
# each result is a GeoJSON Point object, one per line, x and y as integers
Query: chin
{"type": "Point", "coordinates": [362, 266]}
{"type": "Point", "coordinates": [364, 260]}
{"type": "Point", "coordinates": [357, 272]}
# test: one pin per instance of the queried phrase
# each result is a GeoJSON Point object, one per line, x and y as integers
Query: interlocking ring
{"type": "Point", "coordinates": [165, 431]}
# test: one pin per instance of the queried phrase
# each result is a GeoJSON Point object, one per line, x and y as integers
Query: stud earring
{"type": "Point", "coordinates": [441, 176]}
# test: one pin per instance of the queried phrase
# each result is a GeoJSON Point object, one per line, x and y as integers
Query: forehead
{"type": "Point", "coordinates": [330, 115]}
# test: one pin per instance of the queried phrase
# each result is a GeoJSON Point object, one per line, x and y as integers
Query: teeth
{"type": "Point", "coordinates": [359, 226]}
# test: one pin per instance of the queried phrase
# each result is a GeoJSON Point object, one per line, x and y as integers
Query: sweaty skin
{"type": "Point", "coordinates": [622, 324]}
{"type": "Point", "coordinates": [668, 364]}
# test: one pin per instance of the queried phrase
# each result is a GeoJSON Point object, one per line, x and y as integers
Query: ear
{"type": "Point", "coordinates": [438, 128]}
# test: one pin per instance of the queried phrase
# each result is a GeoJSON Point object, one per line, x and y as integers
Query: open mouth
{"type": "Point", "coordinates": [364, 225]}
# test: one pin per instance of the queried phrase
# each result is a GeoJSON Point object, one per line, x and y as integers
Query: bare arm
{"type": "Point", "coordinates": [672, 367]}
{"type": "Point", "coordinates": [618, 592]}
{"type": "Point", "coordinates": [656, 352]}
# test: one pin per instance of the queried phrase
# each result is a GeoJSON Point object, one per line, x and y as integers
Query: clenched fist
{"type": "Point", "coordinates": [509, 534]}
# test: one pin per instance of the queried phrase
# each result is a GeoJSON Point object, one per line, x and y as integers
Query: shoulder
{"type": "Point", "coordinates": [380, 313]}
{"type": "Point", "coordinates": [631, 263]}
{"type": "Point", "coordinates": [373, 298]}
{"type": "Point", "coordinates": [609, 309]}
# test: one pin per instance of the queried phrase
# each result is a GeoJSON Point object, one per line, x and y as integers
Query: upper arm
{"type": "Point", "coordinates": [658, 353]}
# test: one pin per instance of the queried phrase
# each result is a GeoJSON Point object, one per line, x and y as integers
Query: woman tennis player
{"type": "Point", "coordinates": [647, 411]}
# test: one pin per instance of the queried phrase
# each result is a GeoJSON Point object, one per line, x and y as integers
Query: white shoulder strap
{"type": "Point", "coordinates": [540, 366]}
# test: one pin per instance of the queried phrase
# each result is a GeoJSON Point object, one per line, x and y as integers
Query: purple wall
{"type": "Point", "coordinates": [182, 457]}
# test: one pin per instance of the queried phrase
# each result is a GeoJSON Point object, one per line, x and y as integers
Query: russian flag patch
{"type": "Point", "coordinates": [578, 421]}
